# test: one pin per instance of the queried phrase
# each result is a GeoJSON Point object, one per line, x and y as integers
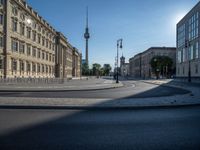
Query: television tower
{"type": "Point", "coordinates": [86, 36]}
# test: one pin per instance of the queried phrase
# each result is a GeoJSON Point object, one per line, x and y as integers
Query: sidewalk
{"type": "Point", "coordinates": [73, 85]}
{"type": "Point", "coordinates": [192, 98]}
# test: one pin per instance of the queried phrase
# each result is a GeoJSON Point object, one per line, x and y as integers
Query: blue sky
{"type": "Point", "coordinates": [141, 24]}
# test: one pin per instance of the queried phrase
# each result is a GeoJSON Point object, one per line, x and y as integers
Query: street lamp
{"type": "Point", "coordinates": [189, 73]}
{"type": "Point", "coordinates": [156, 69]}
{"type": "Point", "coordinates": [119, 45]}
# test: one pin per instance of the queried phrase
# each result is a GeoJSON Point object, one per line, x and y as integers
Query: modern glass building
{"type": "Point", "coordinates": [188, 48]}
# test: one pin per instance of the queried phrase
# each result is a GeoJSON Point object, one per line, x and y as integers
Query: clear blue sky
{"type": "Point", "coordinates": [141, 24]}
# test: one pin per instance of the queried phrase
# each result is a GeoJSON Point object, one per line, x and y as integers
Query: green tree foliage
{"type": "Point", "coordinates": [161, 64]}
{"type": "Point", "coordinates": [85, 69]}
{"type": "Point", "coordinates": [106, 69]}
{"type": "Point", "coordinates": [96, 69]}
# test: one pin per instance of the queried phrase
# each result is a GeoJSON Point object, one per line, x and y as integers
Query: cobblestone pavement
{"type": "Point", "coordinates": [192, 98]}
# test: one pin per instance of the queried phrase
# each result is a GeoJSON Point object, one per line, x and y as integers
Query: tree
{"type": "Point", "coordinates": [106, 68]}
{"type": "Point", "coordinates": [161, 65]}
{"type": "Point", "coordinates": [85, 69]}
{"type": "Point", "coordinates": [96, 69]}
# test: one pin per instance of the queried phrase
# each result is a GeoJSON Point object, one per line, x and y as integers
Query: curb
{"type": "Point", "coordinates": [56, 90]}
{"type": "Point", "coordinates": [97, 107]}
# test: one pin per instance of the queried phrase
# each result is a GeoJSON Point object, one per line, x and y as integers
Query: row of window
{"type": "Point", "coordinates": [181, 35]}
{"type": "Point", "coordinates": [193, 30]}
{"type": "Point", "coordinates": [31, 34]}
{"type": "Point", "coordinates": [183, 72]}
{"type": "Point", "coordinates": [193, 52]}
{"type": "Point", "coordinates": [25, 66]}
{"type": "Point", "coordinates": [31, 22]}
{"type": "Point", "coordinates": [193, 26]}
{"type": "Point", "coordinates": [29, 50]}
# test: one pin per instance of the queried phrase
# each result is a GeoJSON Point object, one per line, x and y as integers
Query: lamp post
{"type": "Point", "coordinates": [156, 69]}
{"type": "Point", "coordinates": [119, 45]}
{"type": "Point", "coordinates": [189, 73]}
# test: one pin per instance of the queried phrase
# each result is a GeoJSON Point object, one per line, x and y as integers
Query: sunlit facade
{"type": "Point", "coordinates": [188, 50]}
{"type": "Point", "coordinates": [28, 43]}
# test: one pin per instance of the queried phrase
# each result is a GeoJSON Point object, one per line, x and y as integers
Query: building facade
{"type": "Point", "coordinates": [28, 43]}
{"type": "Point", "coordinates": [124, 67]}
{"type": "Point", "coordinates": [135, 66]}
{"type": "Point", "coordinates": [140, 64]}
{"type": "Point", "coordinates": [188, 48]}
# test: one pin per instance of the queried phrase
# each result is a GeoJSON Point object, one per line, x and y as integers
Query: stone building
{"type": "Point", "coordinates": [76, 63]}
{"type": "Point", "coordinates": [188, 49]}
{"type": "Point", "coordinates": [124, 67]}
{"type": "Point", "coordinates": [135, 66]}
{"type": "Point", "coordinates": [140, 64]}
{"type": "Point", "coordinates": [28, 43]}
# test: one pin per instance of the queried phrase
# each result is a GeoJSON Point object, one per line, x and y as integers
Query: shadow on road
{"type": "Point", "coordinates": [66, 132]}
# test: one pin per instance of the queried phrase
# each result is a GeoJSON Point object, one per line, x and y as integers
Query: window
{"type": "Point", "coordinates": [34, 36]}
{"type": "Point", "coordinates": [14, 46]}
{"type": "Point", "coordinates": [47, 56]}
{"type": "Point", "coordinates": [21, 48]}
{"type": "Point", "coordinates": [22, 16]}
{"type": "Point", "coordinates": [28, 67]}
{"type": "Point", "coordinates": [1, 63]}
{"type": "Point", "coordinates": [50, 45]}
{"type": "Point", "coordinates": [50, 70]}
{"type": "Point", "coordinates": [183, 55]}
{"type": "Point", "coordinates": [1, 19]}
{"type": "Point", "coordinates": [47, 69]}
{"type": "Point", "coordinates": [14, 65]}
{"type": "Point", "coordinates": [196, 69]}
{"type": "Point", "coordinates": [14, 25]}
{"type": "Point", "coordinates": [1, 2]}
{"type": "Point", "coordinates": [43, 55]}
{"type": "Point", "coordinates": [47, 43]}
{"type": "Point", "coordinates": [53, 58]}
{"type": "Point", "coordinates": [34, 52]}
{"type": "Point", "coordinates": [28, 32]}
{"type": "Point", "coordinates": [28, 50]}
{"type": "Point", "coordinates": [39, 38]}
{"type": "Point", "coordinates": [39, 28]}
{"type": "Point", "coordinates": [197, 50]}
{"type": "Point", "coordinates": [179, 56]}
{"type": "Point", "coordinates": [191, 52]}
{"type": "Point", "coordinates": [21, 66]}
{"type": "Point", "coordinates": [181, 35]}
{"type": "Point", "coordinates": [38, 68]}
{"type": "Point", "coordinates": [33, 67]}
{"type": "Point", "coordinates": [34, 25]}
{"type": "Point", "coordinates": [1, 41]}
{"type": "Point", "coordinates": [38, 53]}
{"type": "Point", "coordinates": [193, 26]}
{"type": "Point", "coordinates": [22, 28]}
{"type": "Point", "coordinates": [15, 10]}
{"type": "Point", "coordinates": [42, 68]}
{"type": "Point", "coordinates": [43, 41]}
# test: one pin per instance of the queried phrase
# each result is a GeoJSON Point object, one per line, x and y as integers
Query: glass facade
{"type": "Point", "coordinates": [181, 35]}
{"type": "Point", "coordinates": [193, 26]}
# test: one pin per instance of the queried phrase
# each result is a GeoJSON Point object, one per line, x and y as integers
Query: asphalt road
{"type": "Point", "coordinates": [132, 89]}
{"type": "Point", "coordinates": [143, 129]}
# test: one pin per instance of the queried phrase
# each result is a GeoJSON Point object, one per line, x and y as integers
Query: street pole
{"type": "Point", "coordinates": [119, 43]}
{"type": "Point", "coordinates": [189, 73]}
